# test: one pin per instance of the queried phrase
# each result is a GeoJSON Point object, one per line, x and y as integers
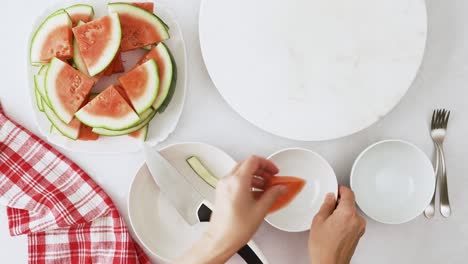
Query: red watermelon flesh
{"type": "Point", "coordinates": [134, 82]}
{"type": "Point", "coordinates": [122, 92]}
{"type": "Point", "coordinates": [86, 133]}
{"type": "Point", "coordinates": [116, 65]}
{"type": "Point", "coordinates": [92, 39]}
{"type": "Point", "coordinates": [148, 6]}
{"type": "Point", "coordinates": [109, 103]}
{"type": "Point", "coordinates": [73, 88]}
{"type": "Point", "coordinates": [59, 44]}
{"type": "Point", "coordinates": [294, 186]}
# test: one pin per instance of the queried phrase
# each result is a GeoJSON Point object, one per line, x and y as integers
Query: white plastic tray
{"type": "Point", "coordinates": [160, 127]}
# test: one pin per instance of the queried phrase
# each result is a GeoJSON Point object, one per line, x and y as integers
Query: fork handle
{"type": "Point", "coordinates": [429, 212]}
{"type": "Point", "coordinates": [444, 197]}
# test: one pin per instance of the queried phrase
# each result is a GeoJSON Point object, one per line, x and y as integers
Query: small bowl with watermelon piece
{"type": "Point", "coordinates": [302, 201]}
{"type": "Point", "coordinates": [107, 76]}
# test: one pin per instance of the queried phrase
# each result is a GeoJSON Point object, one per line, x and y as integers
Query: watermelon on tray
{"type": "Point", "coordinates": [133, 20]}
{"type": "Point", "coordinates": [80, 12]}
{"type": "Point", "coordinates": [167, 74]}
{"type": "Point", "coordinates": [145, 118]}
{"type": "Point", "coordinates": [53, 38]}
{"type": "Point", "coordinates": [99, 42]}
{"type": "Point", "coordinates": [66, 89]}
{"type": "Point", "coordinates": [141, 85]}
{"type": "Point", "coordinates": [75, 51]}
{"type": "Point", "coordinates": [71, 130]}
{"type": "Point", "coordinates": [108, 110]}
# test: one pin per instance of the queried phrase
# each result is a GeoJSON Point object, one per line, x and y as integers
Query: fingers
{"type": "Point", "coordinates": [327, 207]}
{"type": "Point", "coordinates": [258, 182]}
{"type": "Point", "coordinates": [270, 196]}
{"type": "Point", "coordinates": [256, 166]}
{"type": "Point", "coordinates": [347, 198]}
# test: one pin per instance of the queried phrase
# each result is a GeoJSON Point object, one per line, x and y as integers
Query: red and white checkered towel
{"type": "Point", "coordinates": [68, 218]}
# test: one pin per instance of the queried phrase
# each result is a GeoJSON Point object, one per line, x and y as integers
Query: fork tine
{"type": "Point", "coordinates": [433, 119]}
{"type": "Point", "coordinates": [439, 117]}
{"type": "Point", "coordinates": [446, 119]}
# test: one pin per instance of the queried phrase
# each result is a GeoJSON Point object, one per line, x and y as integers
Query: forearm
{"type": "Point", "coordinates": [208, 251]}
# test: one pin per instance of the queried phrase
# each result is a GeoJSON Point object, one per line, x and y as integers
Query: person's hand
{"type": "Point", "coordinates": [336, 230]}
{"type": "Point", "coordinates": [237, 212]}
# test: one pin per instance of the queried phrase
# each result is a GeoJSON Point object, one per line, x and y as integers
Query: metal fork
{"type": "Point", "coordinates": [439, 123]}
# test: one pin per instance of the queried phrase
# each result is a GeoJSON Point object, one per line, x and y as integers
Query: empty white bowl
{"type": "Point", "coordinates": [320, 180]}
{"type": "Point", "coordinates": [393, 181]}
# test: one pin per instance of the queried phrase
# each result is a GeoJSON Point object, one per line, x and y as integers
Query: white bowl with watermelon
{"type": "Point", "coordinates": [107, 76]}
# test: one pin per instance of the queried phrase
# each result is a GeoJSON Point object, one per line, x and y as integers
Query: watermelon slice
{"type": "Point", "coordinates": [294, 186]}
{"type": "Point", "coordinates": [53, 38]}
{"type": "Point", "coordinates": [140, 134]}
{"type": "Point", "coordinates": [141, 85]}
{"type": "Point", "coordinates": [71, 130]}
{"type": "Point", "coordinates": [66, 89]}
{"type": "Point", "coordinates": [167, 75]}
{"type": "Point", "coordinates": [145, 118]}
{"type": "Point", "coordinates": [139, 27]}
{"type": "Point", "coordinates": [80, 12]}
{"type": "Point", "coordinates": [108, 110]}
{"type": "Point", "coordinates": [99, 42]}
{"type": "Point", "coordinates": [78, 62]}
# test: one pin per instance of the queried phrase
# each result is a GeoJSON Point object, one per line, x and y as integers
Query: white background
{"type": "Point", "coordinates": [442, 82]}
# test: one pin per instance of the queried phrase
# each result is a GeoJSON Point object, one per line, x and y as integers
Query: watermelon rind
{"type": "Point", "coordinates": [168, 81]}
{"type": "Point", "coordinates": [80, 9]}
{"type": "Point", "coordinates": [62, 127]}
{"type": "Point", "coordinates": [149, 47]}
{"type": "Point", "coordinates": [114, 133]}
{"type": "Point", "coordinates": [39, 83]}
{"type": "Point", "coordinates": [143, 133]}
{"type": "Point", "coordinates": [38, 100]}
{"type": "Point", "coordinates": [77, 59]}
{"type": "Point", "coordinates": [42, 70]}
{"type": "Point", "coordinates": [57, 19]}
{"type": "Point", "coordinates": [149, 17]}
{"type": "Point", "coordinates": [150, 91]}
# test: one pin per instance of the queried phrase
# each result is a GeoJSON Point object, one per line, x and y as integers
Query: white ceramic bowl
{"type": "Point", "coordinates": [320, 180]}
{"type": "Point", "coordinates": [393, 181]}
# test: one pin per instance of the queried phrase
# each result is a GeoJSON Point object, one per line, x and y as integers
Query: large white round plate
{"type": "Point", "coordinates": [393, 181]}
{"type": "Point", "coordinates": [158, 226]}
{"type": "Point", "coordinates": [160, 127]}
{"type": "Point", "coordinates": [320, 180]}
{"type": "Point", "coordinates": [313, 69]}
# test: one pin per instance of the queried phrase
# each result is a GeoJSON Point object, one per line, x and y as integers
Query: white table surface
{"type": "Point", "coordinates": [442, 82]}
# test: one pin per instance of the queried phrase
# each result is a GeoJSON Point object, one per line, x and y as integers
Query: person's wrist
{"type": "Point", "coordinates": [221, 247]}
{"type": "Point", "coordinates": [317, 256]}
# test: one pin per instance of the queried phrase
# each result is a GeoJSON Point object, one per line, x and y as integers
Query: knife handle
{"type": "Point", "coordinates": [250, 253]}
